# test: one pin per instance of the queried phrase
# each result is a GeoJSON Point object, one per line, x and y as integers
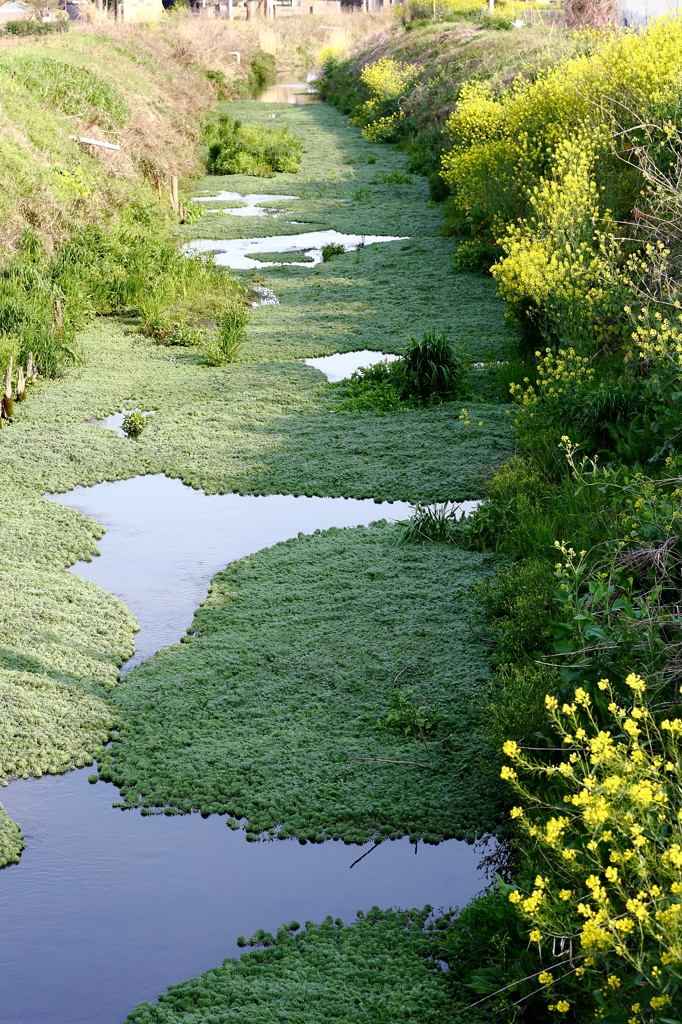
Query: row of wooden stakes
{"type": "Point", "coordinates": [22, 380]}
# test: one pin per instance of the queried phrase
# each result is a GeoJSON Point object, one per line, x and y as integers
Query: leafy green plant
{"type": "Point", "coordinates": [411, 718]}
{"type": "Point", "coordinates": [521, 603]}
{"type": "Point", "coordinates": [225, 346]}
{"type": "Point", "coordinates": [235, 148]}
{"type": "Point", "coordinates": [133, 424]}
{"type": "Point", "coordinates": [436, 369]}
{"type": "Point", "coordinates": [476, 255]}
{"type": "Point", "coordinates": [432, 523]}
{"type": "Point", "coordinates": [332, 249]}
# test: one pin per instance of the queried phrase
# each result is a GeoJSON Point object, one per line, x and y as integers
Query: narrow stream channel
{"type": "Point", "coordinates": [107, 908]}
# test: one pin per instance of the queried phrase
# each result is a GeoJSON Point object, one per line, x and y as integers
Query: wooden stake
{"type": "Point", "coordinates": [21, 385]}
{"type": "Point", "coordinates": [31, 372]}
{"type": "Point", "coordinates": [158, 189]}
{"type": "Point", "coordinates": [174, 193]}
{"type": "Point", "coordinates": [182, 213]}
{"type": "Point", "coordinates": [8, 404]}
{"type": "Point", "coordinates": [58, 318]}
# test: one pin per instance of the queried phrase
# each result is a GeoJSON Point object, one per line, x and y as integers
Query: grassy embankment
{"type": "Point", "coordinates": [265, 424]}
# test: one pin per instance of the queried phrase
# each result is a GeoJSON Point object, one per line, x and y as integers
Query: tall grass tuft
{"type": "Point", "coordinates": [225, 346]}
{"type": "Point", "coordinates": [431, 523]}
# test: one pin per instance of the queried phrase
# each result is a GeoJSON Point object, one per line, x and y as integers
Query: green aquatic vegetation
{"type": "Point", "coordinates": [11, 839]}
{"type": "Point", "coordinates": [296, 256]}
{"type": "Point", "coordinates": [431, 523]}
{"type": "Point", "coordinates": [431, 371]}
{"type": "Point", "coordinates": [265, 424]}
{"type": "Point", "coordinates": [225, 345]}
{"type": "Point", "coordinates": [332, 249]}
{"type": "Point", "coordinates": [408, 717]}
{"type": "Point", "coordinates": [48, 726]}
{"type": "Point", "coordinates": [267, 712]}
{"type": "Point", "coordinates": [133, 424]}
{"type": "Point", "coordinates": [236, 148]}
{"type": "Point", "coordinates": [377, 969]}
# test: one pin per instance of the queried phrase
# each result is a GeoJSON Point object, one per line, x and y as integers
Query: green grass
{"type": "Point", "coordinates": [288, 667]}
{"type": "Point", "coordinates": [374, 970]}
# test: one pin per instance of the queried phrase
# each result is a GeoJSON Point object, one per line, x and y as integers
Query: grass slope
{"type": "Point", "coordinates": [280, 684]}
{"type": "Point", "coordinates": [373, 970]}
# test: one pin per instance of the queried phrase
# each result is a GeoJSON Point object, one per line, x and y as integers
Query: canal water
{"type": "Point", "coordinates": [106, 907]}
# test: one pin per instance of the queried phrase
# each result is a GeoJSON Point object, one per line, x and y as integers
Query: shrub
{"type": "Point", "coordinates": [389, 82]}
{"type": "Point", "coordinates": [234, 148]}
{"type": "Point", "coordinates": [604, 815]}
{"type": "Point", "coordinates": [30, 27]}
{"type": "Point", "coordinates": [262, 69]}
{"type": "Point", "coordinates": [476, 255]}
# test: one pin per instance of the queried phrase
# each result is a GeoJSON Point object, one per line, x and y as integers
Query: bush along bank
{"type": "Point", "coordinates": [567, 180]}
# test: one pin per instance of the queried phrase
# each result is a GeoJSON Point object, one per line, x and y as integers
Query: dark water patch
{"type": "Point", "coordinates": [108, 908]}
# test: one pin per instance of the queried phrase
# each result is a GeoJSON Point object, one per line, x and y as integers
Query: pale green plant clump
{"type": "Point", "coordinates": [48, 727]}
{"type": "Point", "coordinates": [225, 345]}
{"type": "Point", "coordinates": [11, 840]}
{"type": "Point", "coordinates": [611, 840]}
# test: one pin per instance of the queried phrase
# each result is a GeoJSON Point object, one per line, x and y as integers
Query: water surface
{"type": "Point", "coordinates": [165, 542]}
{"type": "Point", "coordinates": [108, 907]}
{"type": "Point", "coordinates": [237, 253]}
{"type": "Point", "coordinates": [343, 364]}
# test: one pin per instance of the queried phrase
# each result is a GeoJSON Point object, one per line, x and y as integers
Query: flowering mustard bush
{"type": "Point", "coordinates": [389, 82]}
{"type": "Point", "coordinates": [605, 816]}
{"type": "Point", "coordinates": [544, 166]}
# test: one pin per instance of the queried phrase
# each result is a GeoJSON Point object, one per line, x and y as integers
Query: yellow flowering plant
{"type": "Point", "coordinates": [389, 82]}
{"type": "Point", "coordinates": [603, 812]}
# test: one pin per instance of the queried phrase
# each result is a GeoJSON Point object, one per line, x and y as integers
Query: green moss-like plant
{"type": "Point", "coordinates": [268, 712]}
{"type": "Point", "coordinates": [11, 839]}
{"type": "Point", "coordinates": [373, 970]}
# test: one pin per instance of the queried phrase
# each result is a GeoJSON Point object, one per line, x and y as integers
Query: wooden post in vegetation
{"type": "Point", "coordinates": [58, 318]}
{"type": "Point", "coordinates": [174, 193]}
{"type": "Point", "coordinates": [7, 403]}
{"type": "Point", "coordinates": [21, 385]}
{"type": "Point", "coordinates": [158, 189]}
{"type": "Point", "coordinates": [31, 372]}
{"type": "Point", "coordinates": [181, 211]}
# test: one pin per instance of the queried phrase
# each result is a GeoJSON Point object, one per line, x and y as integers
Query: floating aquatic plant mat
{"type": "Point", "coordinates": [267, 424]}
{"type": "Point", "coordinates": [276, 708]}
{"type": "Point", "coordinates": [373, 970]}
